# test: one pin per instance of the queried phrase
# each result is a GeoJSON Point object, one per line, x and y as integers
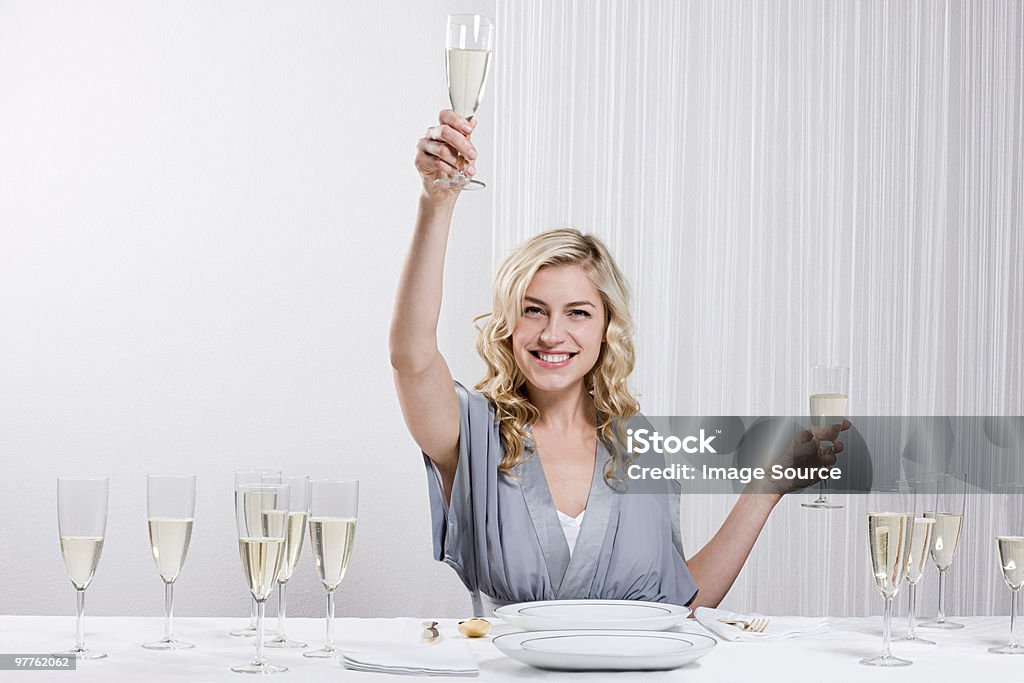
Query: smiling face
{"type": "Point", "coordinates": [558, 338]}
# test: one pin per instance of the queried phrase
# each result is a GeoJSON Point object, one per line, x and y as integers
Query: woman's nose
{"type": "Point", "coordinates": [553, 333]}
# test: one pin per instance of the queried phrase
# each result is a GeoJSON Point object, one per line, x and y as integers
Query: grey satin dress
{"type": "Point", "coordinates": [502, 536]}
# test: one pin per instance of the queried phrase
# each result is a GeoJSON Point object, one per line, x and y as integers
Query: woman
{"type": "Point", "coordinates": [517, 469]}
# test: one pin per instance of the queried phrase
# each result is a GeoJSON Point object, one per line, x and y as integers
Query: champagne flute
{"type": "Point", "coordinates": [261, 514]}
{"type": "Point", "coordinates": [298, 514]}
{"type": "Point", "coordinates": [947, 494]}
{"type": "Point", "coordinates": [333, 510]}
{"type": "Point", "coordinates": [1010, 553]}
{"type": "Point", "coordinates": [830, 388]}
{"type": "Point", "coordinates": [253, 475]}
{"type": "Point", "coordinates": [82, 524]}
{"type": "Point", "coordinates": [171, 509]}
{"type": "Point", "coordinates": [917, 562]}
{"type": "Point", "coordinates": [467, 63]}
{"type": "Point", "coordinates": [890, 528]}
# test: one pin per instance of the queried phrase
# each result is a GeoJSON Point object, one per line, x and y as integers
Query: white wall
{"type": "Point", "coordinates": [203, 210]}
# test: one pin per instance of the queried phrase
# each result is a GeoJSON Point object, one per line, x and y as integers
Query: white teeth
{"type": "Point", "coordinates": [553, 359]}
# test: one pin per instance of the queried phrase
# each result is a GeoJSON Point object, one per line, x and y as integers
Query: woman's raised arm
{"type": "Point", "coordinates": [422, 378]}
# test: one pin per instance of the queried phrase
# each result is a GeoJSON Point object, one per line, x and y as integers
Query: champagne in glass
{"type": "Point", "coordinates": [82, 524]}
{"type": "Point", "coordinates": [467, 62]}
{"type": "Point", "coordinates": [298, 514]}
{"type": "Point", "coordinates": [171, 509]}
{"type": "Point", "coordinates": [254, 475]}
{"type": "Point", "coordinates": [947, 495]}
{"type": "Point", "coordinates": [830, 386]}
{"type": "Point", "coordinates": [334, 507]}
{"type": "Point", "coordinates": [890, 528]}
{"type": "Point", "coordinates": [1010, 554]}
{"type": "Point", "coordinates": [261, 547]}
{"type": "Point", "coordinates": [917, 562]}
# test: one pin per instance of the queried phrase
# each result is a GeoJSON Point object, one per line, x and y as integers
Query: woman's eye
{"type": "Point", "coordinates": [578, 313]}
{"type": "Point", "coordinates": [532, 311]}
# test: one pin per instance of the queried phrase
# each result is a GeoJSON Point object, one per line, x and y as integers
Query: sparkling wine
{"type": "Point", "coordinates": [293, 546]}
{"type": "Point", "coordinates": [169, 539]}
{"type": "Point", "coordinates": [945, 537]}
{"type": "Point", "coordinates": [262, 558]}
{"type": "Point", "coordinates": [81, 555]}
{"type": "Point", "coordinates": [827, 409]}
{"type": "Point", "coordinates": [920, 544]}
{"type": "Point", "coordinates": [467, 76]}
{"type": "Point", "coordinates": [331, 539]}
{"type": "Point", "coordinates": [1011, 559]}
{"type": "Point", "coordinates": [889, 544]}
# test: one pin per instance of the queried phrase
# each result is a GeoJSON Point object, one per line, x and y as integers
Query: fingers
{"type": "Point", "coordinates": [429, 164]}
{"type": "Point", "coordinates": [448, 117]}
{"type": "Point", "coordinates": [433, 148]}
{"type": "Point", "coordinates": [458, 142]}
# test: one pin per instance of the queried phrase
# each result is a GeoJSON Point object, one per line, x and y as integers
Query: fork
{"type": "Point", "coordinates": [755, 625]}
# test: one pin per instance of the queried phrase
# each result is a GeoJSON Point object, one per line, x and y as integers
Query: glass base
{"type": "Point", "coordinates": [84, 653]}
{"type": "Point", "coordinates": [250, 632]}
{"type": "Point", "coordinates": [945, 625]}
{"type": "Point", "coordinates": [460, 183]}
{"type": "Point", "coordinates": [1007, 650]}
{"type": "Point", "coordinates": [917, 639]}
{"type": "Point", "coordinates": [264, 668]}
{"type": "Point", "coordinates": [885, 660]}
{"type": "Point", "coordinates": [168, 644]}
{"type": "Point", "coordinates": [822, 505]}
{"type": "Point", "coordinates": [323, 653]}
{"type": "Point", "coordinates": [280, 642]}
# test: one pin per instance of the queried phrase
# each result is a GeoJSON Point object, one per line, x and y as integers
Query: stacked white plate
{"type": "Point", "coordinates": [600, 635]}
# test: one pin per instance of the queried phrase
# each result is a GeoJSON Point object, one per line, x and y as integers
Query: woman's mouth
{"type": "Point", "coordinates": [553, 360]}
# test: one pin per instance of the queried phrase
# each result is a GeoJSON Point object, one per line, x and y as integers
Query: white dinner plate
{"type": "Point", "coordinates": [612, 650]}
{"type": "Point", "coordinates": [589, 614]}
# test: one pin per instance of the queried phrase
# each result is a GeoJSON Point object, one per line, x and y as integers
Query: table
{"type": "Point", "coordinates": [829, 657]}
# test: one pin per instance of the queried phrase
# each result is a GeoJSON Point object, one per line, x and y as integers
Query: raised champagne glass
{"type": "Point", "coordinates": [298, 514]}
{"type": "Point", "coordinates": [261, 515]}
{"type": "Point", "coordinates": [253, 475]}
{"type": "Point", "coordinates": [947, 495]}
{"type": "Point", "coordinates": [171, 509]}
{"type": "Point", "coordinates": [890, 522]}
{"type": "Point", "coordinates": [917, 562]}
{"type": "Point", "coordinates": [830, 388]}
{"type": "Point", "coordinates": [1010, 555]}
{"type": "Point", "coordinates": [333, 511]}
{"type": "Point", "coordinates": [82, 525]}
{"type": "Point", "coordinates": [470, 42]}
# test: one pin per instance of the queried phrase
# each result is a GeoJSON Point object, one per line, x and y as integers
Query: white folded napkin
{"type": "Point", "coordinates": [445, 658]}
{"type": "Point", "coordinates": [778, 627]}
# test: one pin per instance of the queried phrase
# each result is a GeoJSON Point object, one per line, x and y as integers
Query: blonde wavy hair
{"type": "Point", "coordinates": [504, 383]}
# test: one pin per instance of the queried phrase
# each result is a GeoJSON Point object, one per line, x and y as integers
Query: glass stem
{"type": "Point", "coordinates": [252, 615]}
{"type": "Point", "coordinates": [1013, 617]}
{"type": "Point", "coordinates": [912, 613]}
{"type": "Point", "coordinates": [281, 609]}
{"type": "Point", "coordinates": [886, 622]}
{"type": "Point", "coordinates": [261, 607]}
{"type": "Point", "coordinates": [168, 609]}
{"type": "Point", "coordinates": [330, 621]}
{"type": "Point", "coordinates": [942, 607]}
{"type": "Point", "coordinates": [80, 623]}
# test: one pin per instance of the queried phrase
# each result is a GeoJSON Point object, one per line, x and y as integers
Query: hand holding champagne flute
{"type": "Point", "coordinates": [82, 524]}
{"type": "Point", "coordinates": [470, 41]}
{"type": "Point", "coordinates": [261, 514]}
{"type": "Point", "coordinates": [171, 508]}
{"type": "Point", "coordinates": [830, 386]}
{"type": "Point", "coordinates": [333, 510]}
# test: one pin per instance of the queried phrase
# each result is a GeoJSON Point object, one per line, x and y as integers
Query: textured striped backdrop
{"type": "Point", "coordinates": [784, 182]}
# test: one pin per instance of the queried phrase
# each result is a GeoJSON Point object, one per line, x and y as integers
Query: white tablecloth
{"type": "Point", "coordinates": [829, 657]}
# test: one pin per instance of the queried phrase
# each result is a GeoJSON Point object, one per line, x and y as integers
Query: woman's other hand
{"type": "Point", "coordinates": [804, 450]}
{"type": "Point", "coordinates": [437, 153]}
